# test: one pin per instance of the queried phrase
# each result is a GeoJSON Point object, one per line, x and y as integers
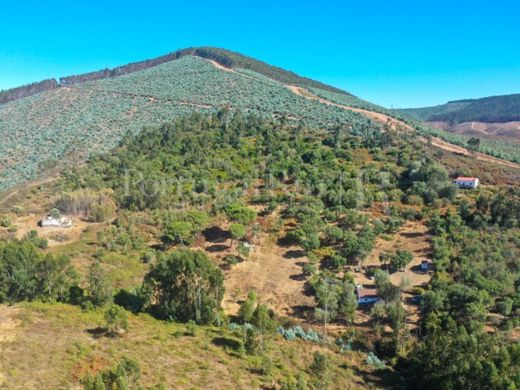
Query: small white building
{"type": "Point", "coordinates": [467, 182]}
{"type": "Point", "coordinates": [62, 222]}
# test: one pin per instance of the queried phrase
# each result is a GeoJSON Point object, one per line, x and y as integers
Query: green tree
{"type": "Point", "coordinates": [327, 292]}
{"type": "Point", "coordinates": [247, 309]}
{"type": "Point", "coordinates": [116, 319]}
{"type": "Point", "coordinates": [384, 257]}
{"type": "Point", "coordinates": [179, 232]}
{"type": "Point", "coordinates": [348, 302]}
{"type": "Point", "coordinates": [25, 273]}
{"type": "Point", "coordinates": [199, 220]}
{"type": "Point", "coordinates": [237, 231]}
{"type": "Point", "coordinates": [185, 285]}
{"type": "Point", "coordinates": [262, 319]}
{"type": "Point", "coordinates": [251, 341]}
{"type": "Point", "coordinates": [55, 213]}
{"type": "Point", "coordinates": [401, 259]}
{"type": "Point", "coordinates": [473, 144]}
{"type": "Point", "coordinates": [99, 287]}
{"type": "Point", "coordinates": [240, 214]}
{"type": "Point", "coordinates": [56, 275]}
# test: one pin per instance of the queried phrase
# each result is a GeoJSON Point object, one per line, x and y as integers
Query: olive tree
{"type": "Point", "coordinates": [186, 286]}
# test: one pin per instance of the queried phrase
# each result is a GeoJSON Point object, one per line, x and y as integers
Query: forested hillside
{"type": "Point", "coordinates": [41, 131]}
{"type": "Point", "coordinates": [171, 220]}
{"type": "Point", "coordinates": [45, 124]}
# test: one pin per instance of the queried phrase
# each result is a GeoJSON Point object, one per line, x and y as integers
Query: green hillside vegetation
{"type": "Point", "coordinates": [491, 109]}
{"type": "Point", "coordinates": [73, 121]}
{"type": "Point", "coordinates": [90, 113]}
{"type": "Point", "coordinates": [332, 193]}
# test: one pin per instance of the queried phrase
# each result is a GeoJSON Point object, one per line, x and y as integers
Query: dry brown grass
{"type": "Point", "coordinates": [414, 237]}
{"type": "Point", "coordinates": [56, 345]}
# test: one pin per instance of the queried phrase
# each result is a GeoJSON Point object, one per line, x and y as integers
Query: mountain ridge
{"type": "Point", "coordinates": [490, 109]}
{"type": "Point", "coordinates": [224, 57]}
{"type": "Point", "coordinates": [39, 131]}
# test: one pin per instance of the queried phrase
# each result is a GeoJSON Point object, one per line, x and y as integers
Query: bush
{"type": "Point", "coordinates": [373, 360]}
{"type": "Point", "coordinates": [5, 221]}
{"type": "Point", "coordinates": [116, 319]}
{"type": "Point", "coordinates": [414, 200]}
{"type": "Point", "coordinates": [99, 287]}
{"type": "Point", "coordinates": [505, 306]}
{"type": "Point", "coordinates": [125, 375]}
{"type": "Point", "coordinates": [319, 369]}
{"type": "Point", "coordinates": [247, 309]}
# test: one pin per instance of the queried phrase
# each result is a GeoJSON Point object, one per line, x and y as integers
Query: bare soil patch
{"type": "Point", "coordinates": [272, 270]}
{"type": "Point", "coordinates": [414, 237]}
{"type": "Point", "coordinates": [275, 273]}
{"type": "Point", "coordinates": [55, 235]}
{"type": "Point", "coordinates": [507, 130]}
{"type": "Point", "coordinates": [219, 66]}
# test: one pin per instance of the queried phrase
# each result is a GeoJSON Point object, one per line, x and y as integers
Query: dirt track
{"type": "Point", "coordinates": [384, 119]}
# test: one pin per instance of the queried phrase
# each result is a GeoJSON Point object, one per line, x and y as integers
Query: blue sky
{"type": "Point", "coordinates": [395, 53]}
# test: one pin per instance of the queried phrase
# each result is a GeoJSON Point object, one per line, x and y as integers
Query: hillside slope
{"type": "Point", "coordinates": [496, 117]}
{"type": "Point", "coordinates": [77, 119]}
{"type": "Point", "coordinates": [43, 124]}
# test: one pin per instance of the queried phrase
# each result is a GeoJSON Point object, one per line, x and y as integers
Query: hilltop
{"type": "Point", "coordinates": [46, 124]}
{"type": "Point", "coordinates": [91, 112]}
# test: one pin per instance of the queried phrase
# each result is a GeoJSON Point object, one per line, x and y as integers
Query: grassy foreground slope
{"type": "Point", "coordinates": [168, 354]}
{"type": "Point", "coordinates": [75, 120]}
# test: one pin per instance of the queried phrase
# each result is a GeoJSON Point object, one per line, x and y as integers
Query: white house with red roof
{"type": "Point", "coordinates": [467, 182]}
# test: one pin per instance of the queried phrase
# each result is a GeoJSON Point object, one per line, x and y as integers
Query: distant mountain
{"type": "Point", "coordinates": [493, 109]}
{"type": "Point", "coordinates": [494, 117]}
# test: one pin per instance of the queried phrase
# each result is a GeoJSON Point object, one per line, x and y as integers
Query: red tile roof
{"type": "Point", "coordinates": [367, 292]}
{"type": "Point", "coordinates": [466, 178]}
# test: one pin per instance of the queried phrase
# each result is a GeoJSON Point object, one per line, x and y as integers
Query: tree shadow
{"type": "Point", "coordinates": [294, 254]}
{"type": "Point", "coordinates": [411, 234]}
{"type": "Point", "coordinates": [97, 332]}
{"type": "Point", "coordinates": [217, 248]}
{"type": "Point", "coordinates": [418, 270]}
{"type": "Point", "coordinates": [285, 241]}
{"type": "Point", "coordinates": [304, 312]}
{"type": "Point", "coordinates": [298, 278]}
{"type": "Point", "coordinates": [231, 345]}
{"type": "Point", "coordinates": [216, 235]}
{"type": "Point", "coordinates": [159, 247]}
